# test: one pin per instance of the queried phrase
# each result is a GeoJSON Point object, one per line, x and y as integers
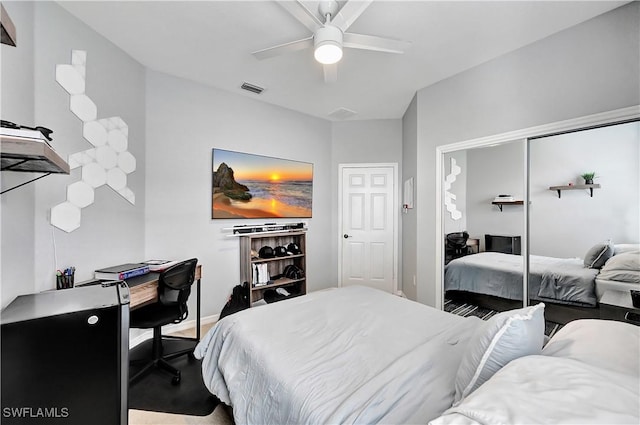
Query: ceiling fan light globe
{"type": "Point", "coordinates": [328, 53]}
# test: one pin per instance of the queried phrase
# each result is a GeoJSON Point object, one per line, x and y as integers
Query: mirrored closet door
{"type": "Point", "coordinates": [541, 217]}
{"type": "Point", "coordinates": [483, 222]}
{"type": "Point", "coordinates": [576, 219]}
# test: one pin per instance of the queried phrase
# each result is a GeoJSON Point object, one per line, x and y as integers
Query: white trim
{"type": "Point", "coordinates": [396, 209]}
{"type": "Point", "coordinates": [623, 114]}
{"type": "Point", "coordinates": [177, 327]}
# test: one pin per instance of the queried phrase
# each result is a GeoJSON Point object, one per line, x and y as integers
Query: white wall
{"type": "Point", "coordinates": [112, 230]}
{"type": "Point", "coordinates": [185, 121]}
{"type": "Point", "coordinates": [590, 68]}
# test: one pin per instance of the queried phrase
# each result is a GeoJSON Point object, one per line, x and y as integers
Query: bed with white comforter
{"type": "Point", "coordinates": [588, 373]}
{"type": "Point", "coordinates": [347, 355]}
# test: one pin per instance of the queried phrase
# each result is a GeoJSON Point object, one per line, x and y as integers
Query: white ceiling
{"type": "Point", "coordinates": [210, 42]}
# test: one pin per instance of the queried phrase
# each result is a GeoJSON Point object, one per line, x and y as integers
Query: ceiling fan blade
{"type": "Point", "coordinates": [371, 42]}
{"type": "Point", "coordinates": [302, 14]}
{"type": "Point", "coordinates": [349, 13]}
{"type": "Point", "coordinates": [281, 49]}
{"type": "Point", "coordinates": [330, 73]}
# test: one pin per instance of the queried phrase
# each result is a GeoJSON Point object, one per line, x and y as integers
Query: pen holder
{"type": "Point", "coordinates": [65, 280]}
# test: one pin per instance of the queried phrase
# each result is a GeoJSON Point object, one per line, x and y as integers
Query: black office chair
{"type": "Point", "coordinates": [174, 287]}
{"type": "Point", "coordinates": [456, 245]}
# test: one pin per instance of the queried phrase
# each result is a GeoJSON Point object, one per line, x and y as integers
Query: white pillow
{"type": "Point", "coordinates": [504, 337]}
{"type": "Point", "coordinates": [621, 248]}
{"type": "Point", "coordinates": [605, 344]}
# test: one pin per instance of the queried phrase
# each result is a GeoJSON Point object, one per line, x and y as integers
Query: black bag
{"type": "Point", "coordinates": [239, 300]}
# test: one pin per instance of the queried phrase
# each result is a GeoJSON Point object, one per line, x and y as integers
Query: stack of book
{"type": "Point", "coordinates": [122, 272]}
{"type": "Point", "coordinates": [160, 265]}
{"type": "Point", "coordinates": [504, 198]}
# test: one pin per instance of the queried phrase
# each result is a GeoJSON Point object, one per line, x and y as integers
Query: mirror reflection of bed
{"type": "Point", "coordinates": [566, 233]}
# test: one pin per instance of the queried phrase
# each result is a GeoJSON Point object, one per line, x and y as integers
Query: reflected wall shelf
{"type": "Point", "coordinates": [30, 155]}
{"type": "Point", "coordinates": [559, 189]}
{"type": "Point", "coordinates": [501, 203]}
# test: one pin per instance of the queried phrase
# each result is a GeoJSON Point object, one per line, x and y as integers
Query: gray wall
{"type": "Point", "coordinates": [563, 227]}
{"type": "Point", "coordinates": [570, 225]}
{"type": "Point", "coordinates": [112, 230]}
{"type": "Point", "coordinates": [173, 125]}
{"type": "Point", "coordinates": [366, 141]}
{"type": "Point", "coordinates": [185, 121]}
{"type": "Point", "coordinates": [18, 206]}
{"type": "Point", "coordinates": [492, 171]}
{"type": "Point", "coordinates": [409, 218]}
{"type": "Point", "coordinates": [590, 68]}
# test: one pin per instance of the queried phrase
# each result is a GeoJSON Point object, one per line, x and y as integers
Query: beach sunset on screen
{"type": "Point", "coordinates": [269, 187]}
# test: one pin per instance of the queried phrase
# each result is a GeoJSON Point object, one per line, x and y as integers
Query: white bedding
{"type": "Point", "coordinates": [588, 374]}
{"type": "Point", "coordinates": [348, 355]}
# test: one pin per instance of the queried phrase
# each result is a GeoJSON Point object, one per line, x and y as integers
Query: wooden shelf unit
{"type": "Point", "coordinates": [276, 265]}
{"type": "Point", "coordinates": [559, 189]}
{"type": "Point", "coordinates": [501, 203]}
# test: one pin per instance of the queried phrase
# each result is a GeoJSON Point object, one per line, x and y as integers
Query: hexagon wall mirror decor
{"type": "Point", "coordinates": [107, 163]}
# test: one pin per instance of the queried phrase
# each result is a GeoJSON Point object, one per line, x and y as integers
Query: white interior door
{"type": "Point", "coordinates": [368, 253]}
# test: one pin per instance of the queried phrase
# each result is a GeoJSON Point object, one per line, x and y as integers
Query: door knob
{"type": "Point", "coordinates": [345, 236]}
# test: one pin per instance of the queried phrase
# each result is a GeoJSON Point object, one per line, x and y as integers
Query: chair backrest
{"type": "Point", "coordinates": [174, 285]}
{"type": "Point", "coordinates": [457, 240]}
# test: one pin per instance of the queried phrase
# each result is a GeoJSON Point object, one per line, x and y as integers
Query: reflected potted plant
{"type": "Point", "coordinates": [588, 177]}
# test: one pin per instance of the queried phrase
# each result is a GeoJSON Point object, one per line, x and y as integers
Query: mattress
{"type": "Point", "coordinates": [346, 355]}
{"type": "Point", "coordinates": [603, 285]}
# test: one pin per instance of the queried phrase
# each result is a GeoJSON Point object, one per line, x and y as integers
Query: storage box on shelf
{"type": "Point", "coordinates": [295, 285]}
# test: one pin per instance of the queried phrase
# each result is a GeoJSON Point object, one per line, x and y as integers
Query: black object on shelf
{"type": "Point", "coordinates": [503, 244]}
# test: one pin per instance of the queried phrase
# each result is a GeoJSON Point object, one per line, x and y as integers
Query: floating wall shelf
{"type": "Point", "coordinates": [501, 203]}
{"type": "Point", "coordinates": [559, 189]}
{"type": "Point", "coordinates": [30, 155]}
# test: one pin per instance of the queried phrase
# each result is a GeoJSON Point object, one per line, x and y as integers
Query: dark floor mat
{"type": "Point", "coordinates": [155, 392]}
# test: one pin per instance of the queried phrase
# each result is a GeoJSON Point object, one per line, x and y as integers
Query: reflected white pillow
{"type": "Point", "coordinates": [504, 337]}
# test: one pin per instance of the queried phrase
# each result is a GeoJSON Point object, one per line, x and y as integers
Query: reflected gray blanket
{"type": "Point", "coordinates": [559, 280]}
{"type": "Point", "coordinates": [340, 356]}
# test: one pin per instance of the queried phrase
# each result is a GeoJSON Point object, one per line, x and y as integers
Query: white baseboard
{"type": "Point", "coordinates": [177, 327]}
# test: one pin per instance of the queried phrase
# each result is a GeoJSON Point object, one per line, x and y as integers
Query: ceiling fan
{"type": "Point", "coordinates": [329, 37]}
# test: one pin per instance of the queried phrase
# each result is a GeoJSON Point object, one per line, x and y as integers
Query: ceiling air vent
{"type": "Point", "coordinates": [252, 88]}
{"type": "Point", "coordinates": [342, 113]}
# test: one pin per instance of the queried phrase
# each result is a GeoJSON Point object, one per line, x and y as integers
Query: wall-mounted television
{"type": "Point", "coordinates": [245, 185]}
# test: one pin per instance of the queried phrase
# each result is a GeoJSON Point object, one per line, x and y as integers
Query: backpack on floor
{"type": "Point", "coordinates": [239, 300]}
